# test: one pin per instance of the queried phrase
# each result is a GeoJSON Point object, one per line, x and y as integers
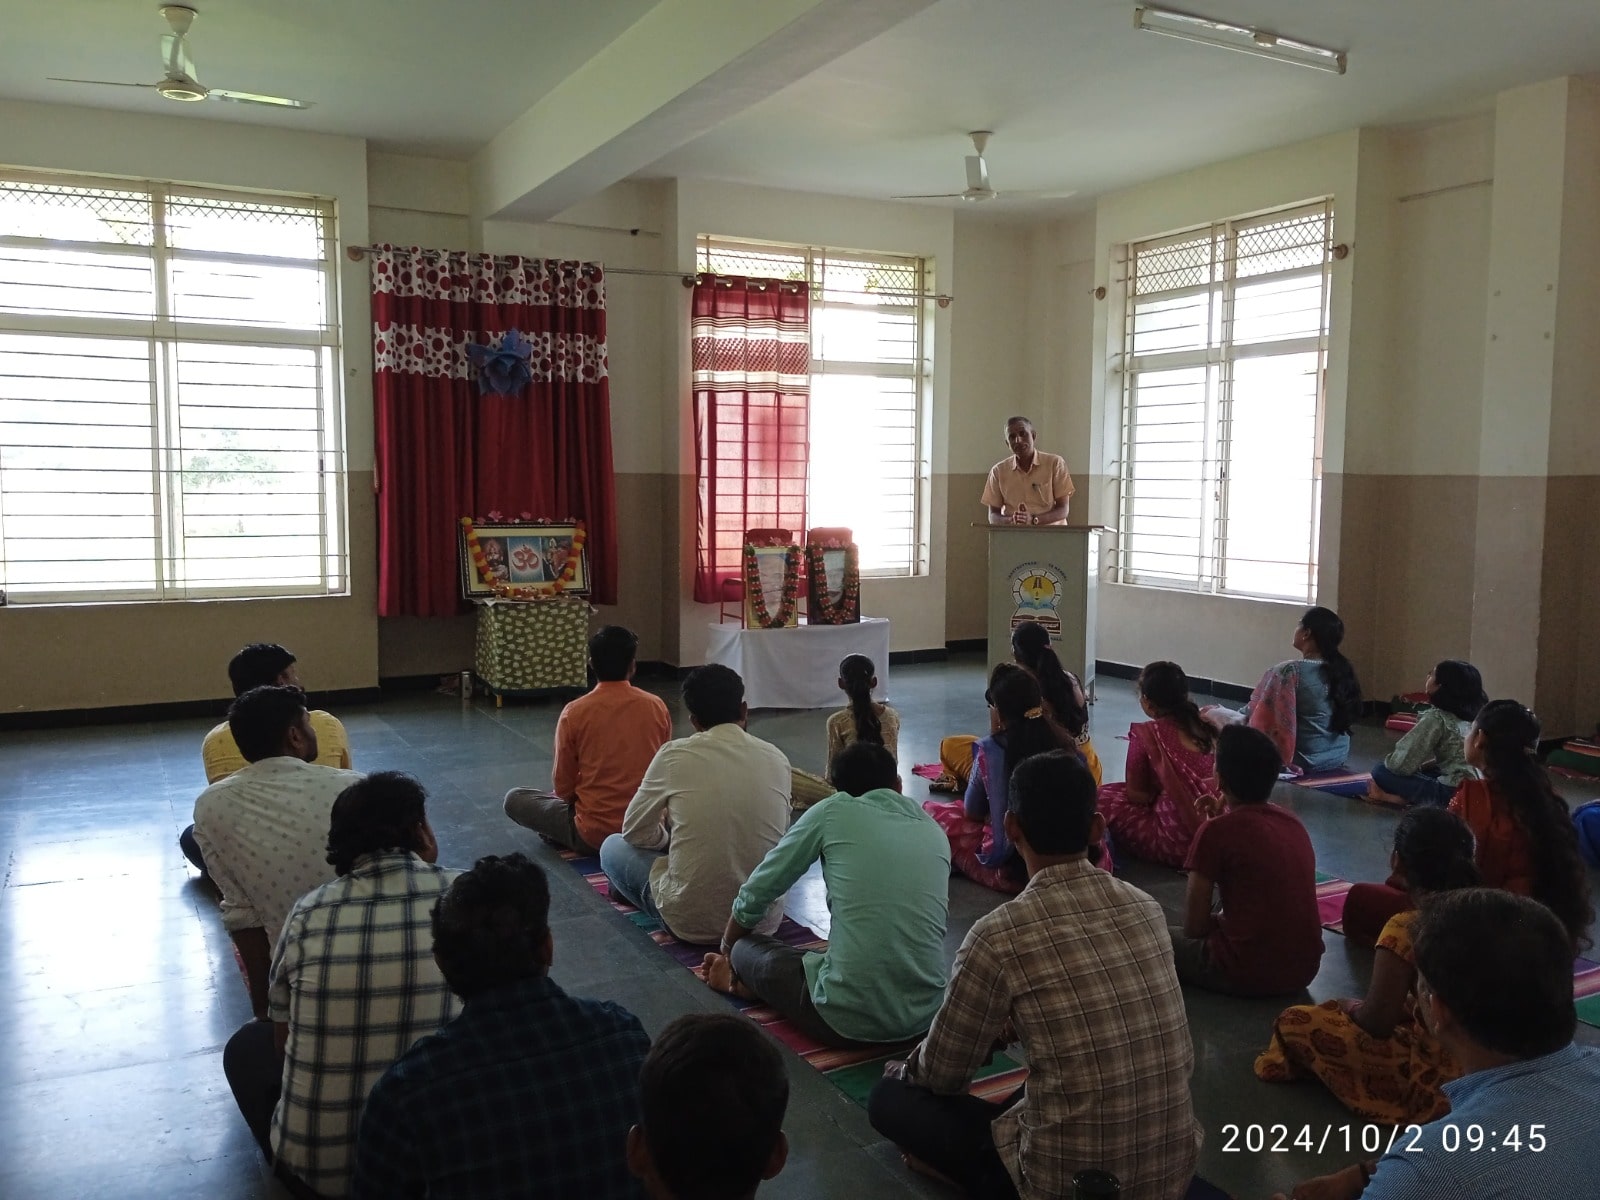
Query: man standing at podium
{"type": "Point", "coordinates": [1029, 488]}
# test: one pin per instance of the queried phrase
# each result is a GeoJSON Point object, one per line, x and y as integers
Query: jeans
{"type": "Point", "coordinates": [255, 1073]}
{"type": "Point", "coordinates": [551, 817]}
{"type": "Point", "coordinates": [191, 849]}
{"type": "Point", "coordinates": [951, 1134]}
{"type": "Point", "coordinates": [1421, 788]}
{"type": "Point", "coordinates": [627, 869]}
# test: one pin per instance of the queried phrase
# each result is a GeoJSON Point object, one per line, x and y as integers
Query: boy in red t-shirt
{"type": "Point", "coordinates": [1266, 938]}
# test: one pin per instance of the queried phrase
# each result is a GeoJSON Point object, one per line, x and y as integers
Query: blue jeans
{"type": "Point", "coordinates": [627, 869]}
{"type": "Point", "coordinates": [1421, 788]}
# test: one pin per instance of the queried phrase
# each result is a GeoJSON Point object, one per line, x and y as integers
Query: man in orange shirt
{"type": "Point", "coordinates": [1029, 488]}
{"type": "Point", "coordinates": [604, 742]}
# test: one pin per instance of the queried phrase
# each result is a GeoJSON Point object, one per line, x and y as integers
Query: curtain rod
{"type": "Point", "coordinates": [942, 299]}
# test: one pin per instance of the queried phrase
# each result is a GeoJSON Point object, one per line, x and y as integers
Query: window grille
{"type": "Point", "coordinates": [1224, 351]}
{"type": "Point", "coordinates": [170, 422]}
{"type": "Point", "coordinates": [868, 378]}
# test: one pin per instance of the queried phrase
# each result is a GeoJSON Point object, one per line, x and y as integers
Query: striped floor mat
{"type": "Point", "coordinates": [1338, 783]}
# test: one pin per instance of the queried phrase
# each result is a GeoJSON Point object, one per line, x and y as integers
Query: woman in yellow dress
{"type": "Point", "coordinates": [1064, 703]}
{"type": "Point", "coordinates": [1375, 1055]}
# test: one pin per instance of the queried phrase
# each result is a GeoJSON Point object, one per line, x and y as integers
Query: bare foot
{"type": "Point", "coordinates": [917, 1167]}
{"type": "Point", "coordinates": [1377, 795]}
{"type": "Point", "coordinates": [720, 977]}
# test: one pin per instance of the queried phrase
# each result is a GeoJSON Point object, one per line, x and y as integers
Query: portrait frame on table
{"type": "Point", "coordinates": [764, 564]}
{"type": "Point", "coordinates": [522, 556]}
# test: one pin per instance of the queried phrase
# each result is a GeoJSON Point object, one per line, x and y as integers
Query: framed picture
{"type": "Point", "coordinates": [522, 558]}
{"type": "Point", "coordinates": [771, 586]}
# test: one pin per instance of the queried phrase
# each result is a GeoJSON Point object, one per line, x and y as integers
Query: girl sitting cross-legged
{"type": "Point", "coordinates": [1018, 729]}
{"type": "Point", "coordinates": [1430, 762]}
{"type": "Point", "coordinates": [1156, 813]}
{"type": "Point", "coordinates": [866, 720]}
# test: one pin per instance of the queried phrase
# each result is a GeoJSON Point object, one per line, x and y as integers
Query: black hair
{"type": "Point", "coordinates": [261, 718]}
{"type": "Point", "coordinates": [1248, 764]}
{"type": "Point", "coordinates": [384, 811]}
{"type": "Point", "coordinates": [1502, 964]}
{"type": "Point", "coordinates": [857, 672]}
{"type": "Point", "coordinates": [1026, 730]}
{"type": "Point", "coordinates": [1030, 645]}
{"type": "Point", "coordinates": [611, 652]}
{"type": "Point", "coordinates": [1053, 799]}
{"type": "Point", "coordinates": [1511, 765]}
{"type": "Point", "coordinates": [1436, 850]}
{"type": "Point", "coordinates": [712, 1096]}
{"type": "Point", "coordinates": [490, 926]}
{"type": "Point", "coordinates": [1344, 689]}
{"type": "Point", "coordinates": [862, 767]}
{"type": "Point", "coordinates": [258, 665]}
{"type": "Point", "coordinates": [1458, 689]}
{"type": "Point", "coordinates": [1166, 687]}
{"type": "Point", "coordinates": [713, 694]}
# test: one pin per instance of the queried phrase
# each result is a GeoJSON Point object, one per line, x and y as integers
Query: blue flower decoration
{"type": "Point", "coordinates": [506, 369]}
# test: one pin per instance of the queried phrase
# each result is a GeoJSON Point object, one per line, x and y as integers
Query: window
{"type": "Point", "coordinates": [1225, 341]}
{"type": "Point", "coordinates": [169, 401]}
{"type": "Point", "coordinates": [868, 372]}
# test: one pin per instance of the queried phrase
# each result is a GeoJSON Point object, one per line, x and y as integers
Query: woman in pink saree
{"type": "Point", "coordinates": [1169, 791]}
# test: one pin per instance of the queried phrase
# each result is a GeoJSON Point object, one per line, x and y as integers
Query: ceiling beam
{"type": "Point", "coordinates": [680, 70]}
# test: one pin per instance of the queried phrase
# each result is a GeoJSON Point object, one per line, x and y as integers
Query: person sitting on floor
{"type": "Point", "coordinates": [708, 810]}
{"type": "Point", "coordinates": [262, 664]}
{"type": "Point", "coordinates": [1060, 695]}
{"type": "Point", "coordinates": [1306, 705]}
{"type": "Point", "coordinates": [263, 830]}
{"type": "Point", "coordinates": [1064, 701]}
{"type": "Point", "coordinates": [353, 985]}
{"type": "Point", "coordinates": [1526, 841]}
{"type": "Point", "coordinates": [528, 1089]}
{"type": "Point", "coordinates": [886, 867]}
{"type": "Point", "coordinates": [1374, 1055]}
{"type": "Point", "coordinates": [1495, 987]}
{"type": "Point", "coordinates": [1157, 812]}
{"type": "Point", "coordinates": [604, 741]}
{"type": "Point", "coordinates": [1019, 729]}
{"type": "Point", "coordinates": [1429, 763]}
{"type": "Point", "coordinates": [865, 720]}
{"type": "Point", "coordinates": [1266, 940]}
{"type": "Point", "coordinates": [1079, 969]}
{"type": "Point", "coordinates": [713, 1093]}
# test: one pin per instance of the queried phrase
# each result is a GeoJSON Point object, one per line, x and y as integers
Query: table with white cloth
{"type": "Point", "coordinates": [798, 667]}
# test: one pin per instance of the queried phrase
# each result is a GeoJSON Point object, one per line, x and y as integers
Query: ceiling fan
{"type": "Point", "coordinates": [978, 186]}
{"type": "Point", "coordinates": [180, 82]}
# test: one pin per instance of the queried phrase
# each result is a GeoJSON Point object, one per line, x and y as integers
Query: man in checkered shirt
{"type": "Point", "coordinates": [1079, 969]}
{"type": "Point", "coordinates": [353, 985]}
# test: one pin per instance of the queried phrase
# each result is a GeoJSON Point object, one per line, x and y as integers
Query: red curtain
{"type": "Point", "coordinates": [445, 452]}
{"type": "Point", "coordinates": [751, 357]}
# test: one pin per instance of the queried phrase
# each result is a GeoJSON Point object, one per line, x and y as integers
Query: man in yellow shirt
{"type": "Point", "coordinates": [1029, 488]}
{"type": "Point", "coordinates": [262, 664]}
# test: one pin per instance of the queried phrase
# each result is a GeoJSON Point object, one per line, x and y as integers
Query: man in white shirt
{"type": "Point", "coordinates": [709, 808]}
{"type": "Point", "coordinates": [264, 829]}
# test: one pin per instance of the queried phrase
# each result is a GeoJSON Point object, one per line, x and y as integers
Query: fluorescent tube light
{"type": "Point", "coordinates": [1259, 42]}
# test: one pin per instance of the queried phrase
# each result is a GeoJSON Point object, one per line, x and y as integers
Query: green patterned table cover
{"type": "Point", "coordinates": [532, 645]}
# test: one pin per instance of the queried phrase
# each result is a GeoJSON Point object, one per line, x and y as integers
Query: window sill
{"type": "Point", "coordinates": [1298, 605]}
{"type": "Point", "coordinates": [89, 602]}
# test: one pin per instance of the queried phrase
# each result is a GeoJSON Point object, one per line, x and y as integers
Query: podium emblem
{"type": "Point", "coordinates": [1036, 589]}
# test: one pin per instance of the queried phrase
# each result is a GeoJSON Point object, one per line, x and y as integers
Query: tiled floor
{"type": "Point", "coordinates": [117, 988]}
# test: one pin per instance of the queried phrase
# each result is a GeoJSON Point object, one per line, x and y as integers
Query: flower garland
{"type": "Point", "coordinates": [757, 597]}
{"type": "Point", "coordinates": [824, 611]}
{"type": "Point", "coordinates": [537, 591]}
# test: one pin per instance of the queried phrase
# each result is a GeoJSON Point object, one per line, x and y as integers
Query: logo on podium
{"type": "Point", "coordinates": [1036, 589]}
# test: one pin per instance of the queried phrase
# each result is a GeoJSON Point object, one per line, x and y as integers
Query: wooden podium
{"type": "Point", "coordinates": [1049, 574]}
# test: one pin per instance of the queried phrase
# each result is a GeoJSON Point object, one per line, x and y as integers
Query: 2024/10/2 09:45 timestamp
{"type": "Point", "coordinates": [1373, 1139]}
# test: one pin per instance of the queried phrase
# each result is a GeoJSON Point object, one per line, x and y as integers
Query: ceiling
{"type": "Point", "coordinates": [1078, 99]}
{"type": "Point", "coordinates": [435, 77]}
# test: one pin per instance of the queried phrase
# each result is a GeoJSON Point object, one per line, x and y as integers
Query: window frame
{"type": "Point", "coordinates": [1218, 359]}
{"type": "Point", "coordinates": [164, 334]}
{"type": "Point", "coordinates": [919, 370]}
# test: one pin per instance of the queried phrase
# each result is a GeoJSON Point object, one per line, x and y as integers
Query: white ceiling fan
{"type": "Point", "coordinates": [978, 186]}
{"type": "Point", "coordinates": [181, 82]}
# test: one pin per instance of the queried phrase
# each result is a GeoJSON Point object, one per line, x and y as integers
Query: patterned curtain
{"type": "Point", "coordinates": [751, 356]}
{"type": "Point", "coordinates": [445, 452]}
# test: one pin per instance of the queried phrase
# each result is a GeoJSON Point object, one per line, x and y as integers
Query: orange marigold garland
{"type": "Point", "coordinates": [758, 598]}
{"type": "Point", "coordinates": [824, 611]}
{"type": "Point", "coordinates": [538, 591]}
